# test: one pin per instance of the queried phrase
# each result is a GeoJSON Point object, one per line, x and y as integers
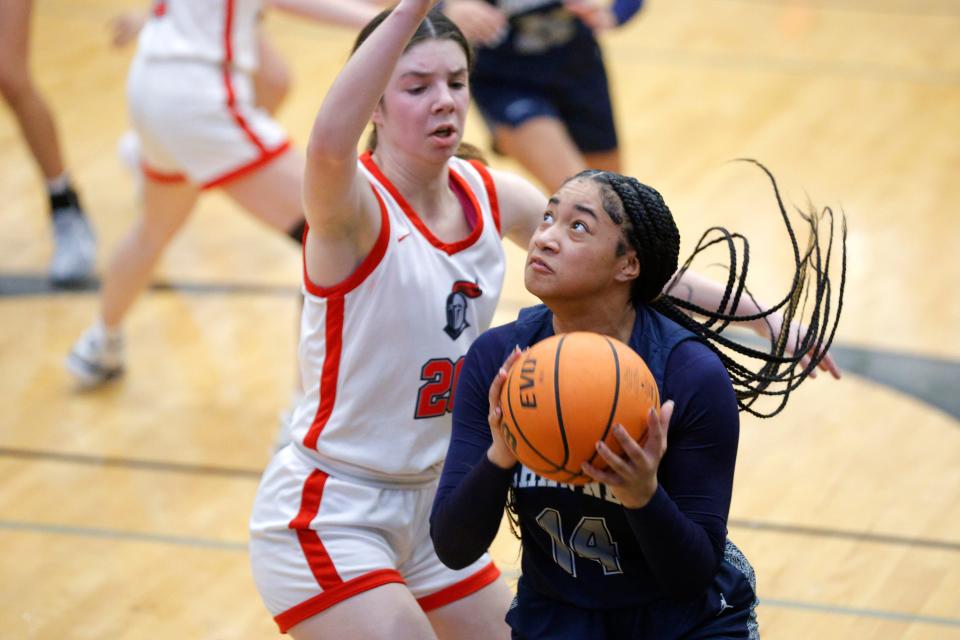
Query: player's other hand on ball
{"type": "Point", "coordinates": [632, 477]}
{"type": "Point", "coordinates": [500, 453]}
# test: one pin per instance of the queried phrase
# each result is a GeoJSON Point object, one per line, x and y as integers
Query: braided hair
{"type": "Point", "coordinates": [649, 229]}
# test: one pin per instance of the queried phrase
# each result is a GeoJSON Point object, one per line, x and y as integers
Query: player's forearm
{"type": "Point", "coordinates": [347, 13]}
{"type": "Point", "coordinates": [708, 294]}
{"type": "Point", "coordinates": [465, 520]}
{"type": "Point", "coordinates": [678, 551]}
{"type": "Point", "coordinates": [355, 92]}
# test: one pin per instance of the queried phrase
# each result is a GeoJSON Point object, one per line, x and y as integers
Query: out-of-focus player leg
{"type": "Point", "coordinates": [544, 148]}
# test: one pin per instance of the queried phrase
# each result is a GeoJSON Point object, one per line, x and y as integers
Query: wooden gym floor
{"type": "Point", "coordinates": [123, 512]}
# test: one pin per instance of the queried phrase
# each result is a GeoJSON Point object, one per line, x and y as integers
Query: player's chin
{"type": "Point", "coordinates": [538, 283]}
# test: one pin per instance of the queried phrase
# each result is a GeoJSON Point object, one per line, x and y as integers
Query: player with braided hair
{"type": "Point", "coordinates": [642, 552]}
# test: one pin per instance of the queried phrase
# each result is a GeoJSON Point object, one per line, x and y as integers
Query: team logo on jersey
{"type": "Point", "coordinates": [457, 306]}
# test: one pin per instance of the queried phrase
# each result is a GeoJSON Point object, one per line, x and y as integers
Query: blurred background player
{"type": "Point", "coordinates": [540, 81]}
{"type": "Point", "coordinates": [192, 102]}
{"type": "Point", "coordinates": [74, 244]}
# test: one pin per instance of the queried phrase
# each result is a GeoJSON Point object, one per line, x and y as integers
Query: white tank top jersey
{"type": "Point", "coordinates": [381, 351]}
{"type": "Point", "coordinates": [214, 31]}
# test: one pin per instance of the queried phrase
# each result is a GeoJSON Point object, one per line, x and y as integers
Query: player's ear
{"type": "Point", "coordinates": [628, 267]}
{"type": "Point", "coordinates": [377, 117]}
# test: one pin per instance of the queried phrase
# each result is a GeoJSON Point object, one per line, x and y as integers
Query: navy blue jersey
{"type": "Point", "coordinates": [548, 64]}
{"type": "Point", "coordinates": [580, 546]}
{"type": "Point", "coordinates": [542, 38]}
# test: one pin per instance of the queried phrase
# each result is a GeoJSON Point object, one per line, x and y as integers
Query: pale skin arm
{"type": "Point", "coordinates": [480, 21]}
{"type": "Point", "coordinates": [593, 13]}
{"type": "Point", "coordinates": [347, 13]}
{"type": "Point", "coordinates": [340, 208]}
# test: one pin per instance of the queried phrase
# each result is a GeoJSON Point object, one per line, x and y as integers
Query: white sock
{"type": "Point", "coordinates": [109, 333]}
{"type": "Point", "coordinates": [56, 186]}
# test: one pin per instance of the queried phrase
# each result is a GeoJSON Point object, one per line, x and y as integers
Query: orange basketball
{"type": "Point", "coordinates": [567, 392]}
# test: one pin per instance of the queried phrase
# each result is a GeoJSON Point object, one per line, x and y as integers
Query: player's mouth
{"type": "Point", "coordinates": [538, 265]}
{"type": "Point", "coordinates": [444, 133]}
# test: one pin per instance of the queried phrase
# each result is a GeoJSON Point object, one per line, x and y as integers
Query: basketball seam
{"type": "Point", "coordinates": [516, 426]}
{"type": "Point", "coordinates": [616, 398]}
{"type": "Point", "coordinates": [556, 397]}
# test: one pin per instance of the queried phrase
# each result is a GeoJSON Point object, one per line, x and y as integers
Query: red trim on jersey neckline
{"type": "Point", "coordinates": [321, 602]}
{"type": "Point", "coordinates": [491, 192]}
{"type": "Point", "coordinates": [460, 590]}
{"type": "Point", "coordinates": [265, 157]}
{"type": "Point", "coordinates": [330, 373]}
{"type": "Point", "coordinates": [449, 248]}
{"type": "Point", "coordinates": [366, 267]}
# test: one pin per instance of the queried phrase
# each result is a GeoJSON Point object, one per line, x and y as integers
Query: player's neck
{"type": "Point", "coordinates": [419, 182]}
{"type": "Point", "coordinates": [426, 188]}
{"type": "Point", "coordinates": [615, 321]}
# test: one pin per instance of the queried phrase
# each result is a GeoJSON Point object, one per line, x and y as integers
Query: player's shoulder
{"type": "Point", "coordinates": [496, 340]}
{"type": "Point", "coordinates": [695, 362]}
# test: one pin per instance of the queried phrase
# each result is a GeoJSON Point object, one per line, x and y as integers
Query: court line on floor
{"type": "Point", "coordinates": [922, 377]}
{"type": "Point", "coordinates": [862, 536]}
{"type": "Point", "coordinates": [232, 545]}
{"type": "Point", "coordinates": [859, 612]}
{"type": "Point", "coordinates": [116, 534]}
{"type": "Point", "coordinates": [131, 463]}
{"type": "Point", "coordinates": [254, 474]}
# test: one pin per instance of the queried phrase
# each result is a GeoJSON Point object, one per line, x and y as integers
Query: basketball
{"type": "Point", "coordinates": [567, 392]}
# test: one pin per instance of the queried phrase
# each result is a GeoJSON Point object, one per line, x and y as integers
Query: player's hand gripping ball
{"type": "Point", "coordinates": [567, 392]}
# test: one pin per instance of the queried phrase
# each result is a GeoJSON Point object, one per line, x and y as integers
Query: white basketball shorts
{"type": "Point", "coordinates": [316, 540]}
{"type": "Point", "coordinates": [197, 121]}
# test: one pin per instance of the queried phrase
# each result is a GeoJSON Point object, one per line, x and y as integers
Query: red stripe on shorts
{"type": "Point", "coordinates": [228, 82]}
{"type": "Point", "coordinates": [160, 176]}
{"type": "Point", "coordinates": [321, 564]}
{"type": "Point", "coordinates": [461, 589]}
{"type": "Point", "coordinates": [330, 372]}
{"type": "Point", "coordinates": [319, 603]}
{"type": "Point", "coordinates": [243, 170]}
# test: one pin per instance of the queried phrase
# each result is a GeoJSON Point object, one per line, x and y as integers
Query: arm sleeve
{"type": "Point", "coordinates": [683, 528]}
{"type": "Point", "coordinates": [472, 492]}
{"type": "Point", "coordinates": [623, 10]}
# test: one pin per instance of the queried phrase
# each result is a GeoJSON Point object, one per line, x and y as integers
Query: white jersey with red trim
{"type": "Point", "coordinates": [380, 352]}
{"type": "Point", "coordinates": [216, 31]}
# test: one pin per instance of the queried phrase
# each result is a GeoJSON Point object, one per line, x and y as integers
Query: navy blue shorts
{"type": "Point", "coordinates": [727, 609]}
{"type": "Point", "coordinates": [579, 98]}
